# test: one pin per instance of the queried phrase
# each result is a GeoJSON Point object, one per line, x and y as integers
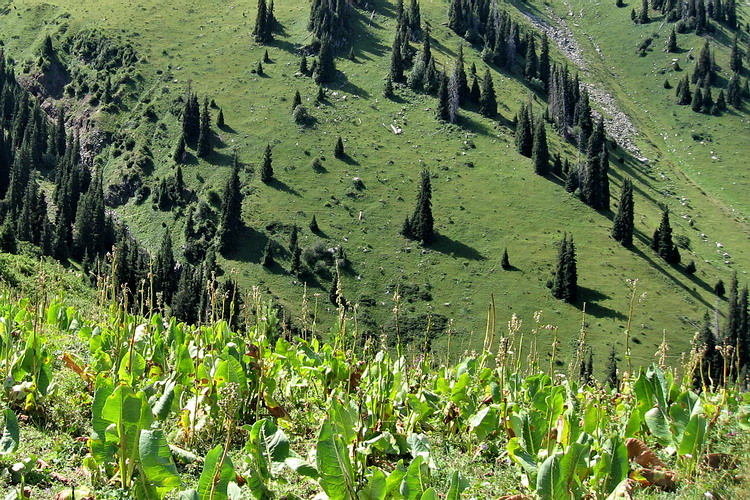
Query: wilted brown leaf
{"type": "Point", "coordinates": [719, 461]}
{"type": "Point", "coordinates": [664, 479]}
{"type": "Point", "coordinates": [641, 454]}
{"type": "Point", "coordinates": [624, 490]}
{"type": "Point", "coordinates": [278, 412]}
{"type": "Point", "coordinates": [516, 497]}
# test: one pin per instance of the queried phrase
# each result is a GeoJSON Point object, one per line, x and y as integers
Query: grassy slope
{"type": "Point", "coordinates": [478, 211]}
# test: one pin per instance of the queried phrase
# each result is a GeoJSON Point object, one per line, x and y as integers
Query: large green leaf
{"type": "Point", "coordinates": [613, 465]}
{"type": "Point", "coordinates": [11, 435]}
{"type": "Point", "coordinates": [573, 465]}
{"type": "Point", "coordinates": [215, 476]}
{"type": "Point", "coordinates": [521, 456]}
{"type": "Point", "coordinates": [484, 422]}
{"type": "Point", "coordinates": [157, 464]}
{"type": "Point", "coordinates": [395, 478]}
{"type": "Point", "coordinates": [269, 447]}
{"type": "Point", "coordinates": [429, 494]}
{"type": "Point", "coordinates": [412, 485]}
{"type": "Point", "coordinates": [334, 465]}
{"type": "Point", "coordinates": [456, 486]}
{"type": "Point", "coordinates": [549, 483]}
{"type": "Point", "coordinates": [164, 404]}
{"type": "Point", "coordinates": [659, 426]}
{"type": "Point", "coordinates": [375, 489]}
{"type": "Point", "coordinates": [694, 436]}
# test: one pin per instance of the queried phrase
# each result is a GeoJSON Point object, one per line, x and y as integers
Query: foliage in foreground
{"type": "Point", "coordinates": [263, 413]}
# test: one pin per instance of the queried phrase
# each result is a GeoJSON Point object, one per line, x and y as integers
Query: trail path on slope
{"type": "Point", "coordinates": [616, 122]}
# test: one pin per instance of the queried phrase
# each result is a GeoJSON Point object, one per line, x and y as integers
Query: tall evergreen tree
{"type": "Point", "coordinates": [179, 152]}
{"type": "Point", "coordinates": [230, 219]}
{"type": "Point", "coordinates": [421, 224]}
{"type": "Point", "coordinates": [612, 378]}
{"type": "Point", "coordinates": [204, 139]}
{"type": "Point", "coordinates": [397, 64]}
{"type": "Point", "coordinates": [540, 151]}
{"type": "Point", "coordinates": [487, 98]}
{"type": "Point", "coordinates": [262, 33]}
{"type": "Point", "coordinates": [459, 76]}
{"type": "Point", "coordinates": [544, 62]}
{"type": "Point", "coordinates": [710, 365]}
{"type": "Point", "coordinates": [662, 241]}
{"type": "Point", "coordinates": [622, 229]}
{"type": "Point", "coordinates": [735, 57]}
{"type": "Point", "coordinates": [338, 149]}
{"type": "Point", "coordinates": [164, 269]}
{"type": "Point", "coordinates": [191, 118]}
{"type": "Point", "coordinates": [672, 41]}
{"type": "Point", "coordinates": [266, 171]}
{"type": "Point", "coordinates": [185, 304]}
{"type": "Point", "coordinates": [268, 254]}
{"type": "Point", "coordinates": [326, 68]}
{"type": "Point", "coordinates": [90, 227]}
{"type": "Point", "coordinates": [524, 137]}
{"type": "Point", "coordinates": [443, 108]}
{"type": "Point", "coordinates": [565, 282]}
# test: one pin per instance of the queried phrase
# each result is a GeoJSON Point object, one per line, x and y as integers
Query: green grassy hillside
{"type": "Point", "coordinates": [485, 195]}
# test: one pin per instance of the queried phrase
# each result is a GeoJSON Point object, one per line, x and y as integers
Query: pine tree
{"type": "Point", "coordinates": [487, 99]}
{"type": "Point", "coordinates": [262, 32]}
{"type": "Point", "coordinates": [230, 219]}
{"type": "Point", "coordinates": [443, 108]}
{"type": "Point", "coordinates": [697, 104]}
{"type": "Point", "coordinates": [662, 242]}
{"type": "Point", "coordinates": [710, 366]}
{"type": "Point", "coordinates": [179, 152]}
{"type": "Point", "coordinates": [544, 63]}
{"type": "Point", "coordinates": [90, 222]}
{"type": "Point", "coordinates": [643, 15]}
{"type": "Point", "coordinates": [504, 261]}
{"type": "Point", "coordinates": [565, 282]}
{"type": "Point", "coordinates": [191, 119]}
{"type": "Point", "coordinates": [704, 66]}
{"type": "Point", "coordinates": [220, 119]}
{"type": "Point", "coordinates": [524, 137]}
{"type": "Point", "coordinates": [314, 225]}
{"type": "Point", "coordinates": [475, 94]}
{"type": "Point", "coordinates": [326, 68]}
{"type": "Point", "coordinates": [735, 58]}
{"type": "Point", "coordinates": [684, 96]}
{"type": "Point", "coordinates": [415, 18]}
{"type": "Point", "coordinates": [732, 330]}
{"type": "Point", "coordinates": [203, 148]}
{"type": "Point", "coordinates": [268, 255]}
{"type": "Point", "coordinates": [672, 41]}
{"type": "Point", "coordinates": [388, 87]}
{"type": "Point", "coordinates": [421, 225]}
{"type": "Point", "coordinates": [622, 229]}
{"type": "Point", "coordinates": [459, 76]}
{"type": "Point", "coordinates": [338, 149]}
{"type": "Point", "coordinates": [8, 242]}
{"type": "Point", "coordinates": [164, 267]}
{"type": "Point", "coordinates": [266, 170]}
{"type": "Point", "coordinates": [719, 288]}
{"type": "Point", "coordinates": [532, 62]}
{"type": "Point", "coordinates": [612, 379]}
{"type": "Point", "coordinates": [690, 268]}
{"type": "Point", "coordinates": [396, 74]}
{"type": "Point", "coordinates": [540, 151]}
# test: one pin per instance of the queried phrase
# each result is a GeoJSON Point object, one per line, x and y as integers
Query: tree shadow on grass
{"type": "Point", "coordinates": [590, 298]}
{"type": "Point", "coordinates": [248, 245]}
{"type": "Point", "coordinates": [283, 186]}
{"type": "Point", "coordinates": [456, 249]}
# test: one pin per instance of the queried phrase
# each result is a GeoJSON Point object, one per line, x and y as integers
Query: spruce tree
{"type": "Point", "coordinates": [326, 68]}
{"type": "Point", "coordinates": [672, 41]}
{"type": "Point", "coordinates": [719, 288]}
{"type": "Point", "coordinates": [643, 15]}
{"type": "Point", "coordinates": [179, 152]}
{"type": "Point", "coordinates": [662, 242]}
{"type": "Point", "coordinates": [314, 225]}
{"type": "Point", "coordinates": [303, 69]}
{"type": "Point", "coordinates": [565, 281]}
{"type": "Point", "coordinates": [710, 365]}
{"type": "Point", "coordinates": [230, 219]}
{"type": "Point", "coordinates": [532, 63]}
{"type": "Point", "coordinates": [475, 94]}
{"type": "Point", "coordinates": [612, 379]}
{"type": "Point", "coordinates": [524, 137]}
{"type": "Point", "coordinates": [704, 66]}
{"type": "Point", "coordinates": [164, 266]}
{"type": "Point", "coordinates": [338, 149]}
{"type": "Point", "coordinates": [220, 119]}
{"type": "Point", "coordinates": [388, 87]}
{"type": "Point", "coordinates": [443, 107]}
{"type": "Point", "coordinates": [735, 58]}
{"type": "Point", "coordinates": [396, 74]}
{"type": "Point", "coordinates": [622, 228]}
{"type": "Point", "coordinates": [690, 268]}
{"type": "Point", "coordinates": [540, 151]}
{"type": "Point", "coordinates": [203, 148]}
{"type": "Point", "coordinates": [266, 170]}
{"type": "Point", "coordinates": [732, 328]}
{"type": "Point", "coordinates": [262, 32]}
{"type": "Point", "coordinates": [268, 255]}
{"type": "Point", "coordinates": [422, 222]}
{"type": "Point", "coordinates": [544, 62]}
{"type": "Point", "coordinates": [8, 242]}
{"type": "Point", "coordinates": [459, 76]}
{"type": "Point", "coordinates": [487, 99]}
{"type": "Point", "coordinates": [297, 100]}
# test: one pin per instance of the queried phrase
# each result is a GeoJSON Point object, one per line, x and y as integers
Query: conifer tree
{"type": "Point", "coordinates": [487, 99]}
{"type": "Point", "coordinates": [565, 282]}
{"type": "Point", "coordinates": [622, 228]}
{"type": "Point", "coordinates": [314, 225]}
{"type": "Point", "coordinates": [338, 149]}
{"type": "Point", "coordinates": [230, 219]}
{"type": "Point", "coordinates": [297, 100]}
{"type": "Point", "coordinates": [690, 268]}
{"type": "Point", "coordinates": [443, 108]}
{"type": "Point", "coordinates": [415, 18]}
{"type": "Point", "coordinates": [203, 148]}
{"type": "Point", "coordinates": [8, 242]}
{"type": "Point", "coordinates": [396, 74]}
{"type": "Point", "coordinates": [735, 58]}
{"type": "Point", "coordinates": [544, 63]}
{"type": "Point", "coordinates": [732, 329]}
{"type": "Point", "coordinates": [303, 69]}
{"type": "Point", "coordinates": [186, 300]}
{"type": "Point", "coordinates": [643, 15]}
{"type": "Point", "coordinates": [697, 104]}
{"type": "Point", "coordinates": [459, 76]}
{"type": "Point", "coordinates": [191, 119]}
{"type": "Point", "coordinates": [704, 67]}
{"type": "Point", "coordinates": [475, 94]}
{"type": "Point", "coordinates": [672, 41]}
{"type": "Point", "coordinates": [540, 151]}
{"type": "Point", "coordinates": [421, 225]}
{"type": "Point", "coordinates": [220, 119]}
{"type": "Point", "coordinates": [710, 365]}
{"type": "Point", "coordinates": [532, 62]}
{"type": "Point", "coordinates": [612, 379]}
{"type": "Point", "coordinates": [262, 32]}
{"type": "Point", "coordinates": [662, 241]}
{"type": "Point", "coordinates": [296, 267]}
{"type": "Point", "coordinates": [326, 68]}
{"type": "Point", "coordinates": [90, 223]}
{"type": "Point", "coordinates": [388, 87]}
{"type": "Point", "coordinates": [744, 331]}
{"type": "Point", "coordinates": [524, 137]}
{"type": "Point", "coordinates": [268, 255]}
{"type": "Point", "coordinates": [266, 171]}
{"type": "Point", "coordinates": [179, 152]}
{"type": "Point", "coordinates": [164, 267]}
{"type": "Point", "coordinates": [719, 288]}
